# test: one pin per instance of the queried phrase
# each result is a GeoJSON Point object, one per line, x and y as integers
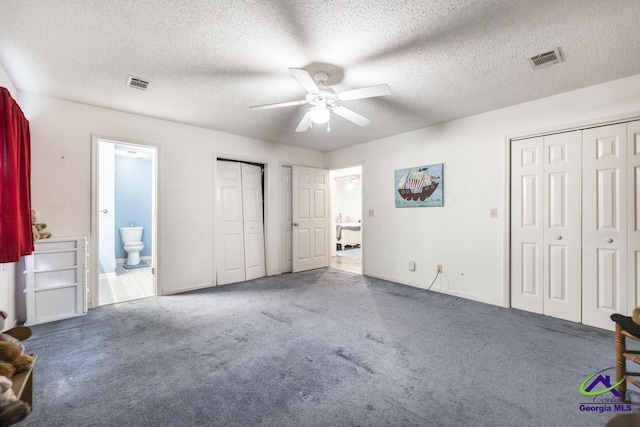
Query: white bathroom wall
{"type": "Point", "coordinates": [7, 270]}
{"type": "Point", "coordinates": [61, 151]}
{"type": "Point", "coordinates": [461, 236]}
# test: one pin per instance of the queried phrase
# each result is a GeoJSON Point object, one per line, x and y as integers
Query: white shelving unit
{"type": "Point", "coordinates": [56, 280]}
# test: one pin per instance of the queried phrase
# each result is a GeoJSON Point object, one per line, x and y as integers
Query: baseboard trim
{"type": "Point", "coordinates": [499, 303]}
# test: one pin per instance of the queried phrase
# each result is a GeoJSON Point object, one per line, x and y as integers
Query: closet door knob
{"type": "Point", "coordinates": [558, 237]}
{"type": "Point", "coordinates": [608, 240]}
{"type": "Point", "coordinates": [104, 211]}
{"type": "Point", "coordinates": [295, 224]}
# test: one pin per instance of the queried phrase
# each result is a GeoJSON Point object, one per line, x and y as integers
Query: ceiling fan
{"type": "Point", "coordinates": [324, 100]}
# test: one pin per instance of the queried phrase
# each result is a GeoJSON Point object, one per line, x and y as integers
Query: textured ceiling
{"type": "Point", "coordinates": [208, 61]}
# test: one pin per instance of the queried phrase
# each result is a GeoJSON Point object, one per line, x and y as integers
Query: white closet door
{"type": "Point", "coordinates": [527, 225]}
{"type": "Point", "coordinates": [562, 226]}
{"type": "Point", "coordinates": [230, 249]}
{"type": "Point", "coordinates": [633, 238]}
{"type": "Point", "coordinates": [310, 202]}
{"type": "Point", "coordinates": [287, 220]}
{"type": "Point", "coordinates": [253, 223]}
{"type": "Point", "coordinates": [604, 252]}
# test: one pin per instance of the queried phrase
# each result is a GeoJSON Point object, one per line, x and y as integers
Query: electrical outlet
{"type": "Point", "coordinates": [372, 212]}
{"type": "Point", "coordinates": [412, 265]}
{"type": "Point", "coordinates": [493, 213]}
{"type": "Point", "coordinates": [439, 267]}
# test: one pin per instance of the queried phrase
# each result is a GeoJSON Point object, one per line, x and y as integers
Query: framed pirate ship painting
{"type": "Point", "coordinates": [420, 186]}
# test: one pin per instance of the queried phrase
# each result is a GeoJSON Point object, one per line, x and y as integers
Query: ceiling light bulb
{"type": "Point", "coordinates": [320, 114]}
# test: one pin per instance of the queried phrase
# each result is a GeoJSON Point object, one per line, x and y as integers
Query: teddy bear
{"type": "Point", "coordinates": [12, 357]}
{"type": "Point", "coordinates": [12, 410]}
{"type": "Point", "coordinates": [14, 335]}
{"type": "Point", "coordinates": [13, 360]}
{"type": "Point", "coordinates": [37, 227]}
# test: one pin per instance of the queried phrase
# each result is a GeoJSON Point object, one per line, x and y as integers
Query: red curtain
{"type": "Point", "coordinates": [16, 238]}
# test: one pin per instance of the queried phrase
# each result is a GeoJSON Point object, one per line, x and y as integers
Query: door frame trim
{"type": "Point", "coordinates": [94, 261]}
{"type": "Point", "coordinates": [362, 211]}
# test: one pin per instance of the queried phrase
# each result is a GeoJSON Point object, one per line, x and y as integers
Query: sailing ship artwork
{"type": "Point", "coordinates": [419, 186]}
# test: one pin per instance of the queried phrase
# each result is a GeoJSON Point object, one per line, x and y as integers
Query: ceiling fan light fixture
{"type": "Point", "coordinates": [320, 114]}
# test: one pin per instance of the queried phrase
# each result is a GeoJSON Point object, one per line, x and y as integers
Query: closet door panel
{"type": "Point", "coordinates": [253, 223]}
{"type": "Point", "coordinates": [229, 225]}
{"type": "Point", "coordinates": [562, 235]}
{"type": "Point", "coordinates": [604, 250]}
{"type": "Point", "coordinates": [527, 225]}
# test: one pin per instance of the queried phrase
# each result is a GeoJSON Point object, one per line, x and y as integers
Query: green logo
{"type": "Point", "coordinates": [587, 386]}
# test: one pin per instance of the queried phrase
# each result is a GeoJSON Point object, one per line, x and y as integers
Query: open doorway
{"type": "Point", "coordinates": [125, 219]}
{"type": "Point", "coordinates": [346, 211]}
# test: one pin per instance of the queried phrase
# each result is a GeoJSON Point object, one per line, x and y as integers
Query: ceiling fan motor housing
{"type": "Point", "coordinates": [321, 78]}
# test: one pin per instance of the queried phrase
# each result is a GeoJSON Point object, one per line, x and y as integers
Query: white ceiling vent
{"type": "Point", "coordinates": [138, 83]}
{"type": "Point", "coordinates": [545, 59]}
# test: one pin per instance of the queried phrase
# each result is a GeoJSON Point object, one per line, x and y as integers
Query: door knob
{"type": "Point", "coordinates": [558, 237]}
{"type": "Point", "coordinates": [295, 224]}
{"type": "Point", "coordinates": [608, 240]}
{"type": "Point", "coordinates": [104, 211]}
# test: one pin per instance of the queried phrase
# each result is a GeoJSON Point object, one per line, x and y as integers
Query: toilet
{"type": "Point", "coordinates": [132, 242]}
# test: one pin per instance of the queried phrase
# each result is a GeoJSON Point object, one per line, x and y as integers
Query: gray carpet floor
{"type": "Point", "coordinates": [319, 348]}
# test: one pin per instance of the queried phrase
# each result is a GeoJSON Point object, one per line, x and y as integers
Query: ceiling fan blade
{"type": "Point", "coordinates": [351, 115]}
{"type": "Point", "coordinates": [303, 77]}
{"type": "Point", "coordinates": [278, 105]}
{"type": "Point", "coordinates": [365, 92]}
{"type": "Point", "coordinates": [303, 126]}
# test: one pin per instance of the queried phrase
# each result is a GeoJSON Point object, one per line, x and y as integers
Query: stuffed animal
{"type": "Point", "coordinates": [14, 335]}
{"type": "Point", "coordinates": [12, 355]}
{"type": "Point", "coordinates": [37, 227]}
{"type": "Point", "coordinates": [12, 410]}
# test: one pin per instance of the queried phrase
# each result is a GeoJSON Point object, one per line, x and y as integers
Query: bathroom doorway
{"type": "Point", "coordinates": [346, 210]}
{"type": "Point", "coordinates": [124, 222]}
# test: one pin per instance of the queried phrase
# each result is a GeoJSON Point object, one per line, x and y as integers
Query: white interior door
{"type": "Point", "coordinates": [106, 208]}
{"type": "Point", "coordinates": [310, 212]}
{"type": "Point", "coordinates": [287, 222]}
{"type": "Point", "coordinates": [230, 230]}
{"type": "Point", "coordinates": [252, 221]}
{"type": "Point", "coordinates": [633, 237]}
{"type": "Point", "coordinates": [527, 225]}
{"type": "Point", "coordinates": [604, 230]}
{"type": "Point", "coordinates": [562, 226]}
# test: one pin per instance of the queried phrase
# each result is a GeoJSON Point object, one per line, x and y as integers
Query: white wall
{"type": "Point", "coordinates": [61, 180]}
{"type": "Point", "coordinates": [7, 270]}
{"type": "Point", "coordinates": [348, 201]}
{"type": "Point", "coordinates": [461, 236]}
{"type": "Point", "coordinates": [6, 82]}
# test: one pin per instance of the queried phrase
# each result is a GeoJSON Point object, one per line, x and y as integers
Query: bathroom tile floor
{"type": "Point", "coordinates": [126, 285]}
